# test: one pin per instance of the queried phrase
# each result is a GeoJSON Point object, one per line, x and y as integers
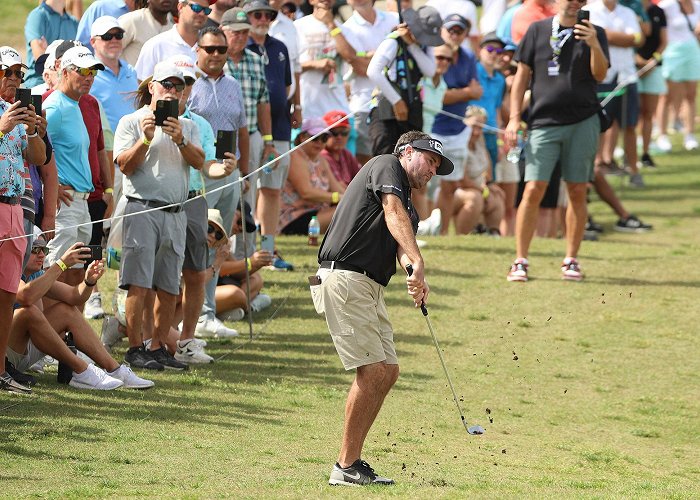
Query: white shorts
{"type": "Point", "coordinates": [455, 148]}
{"type": "Point", "coordinates": [66, 234]}
{"type": "Point", "coordinates": [23, 362]}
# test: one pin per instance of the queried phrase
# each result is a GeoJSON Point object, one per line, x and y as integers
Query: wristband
{"type": "Point", "coordinates": [249, 264]}
{"type": "Point", "coordinates": [485, 192]}
{"type": "Point", "coordinates": [146, 141]}
{"type": "Point", "coordinates": [62, 265]}
{"type": "Point", "coordinates": [2, 134]}
{"type": "Point", "coordinates": [109, 191]}
{"type": "Point", "coordinates": [267, 138]}
{"type": "Point", "coordinates": [637, 37]}
{"type": "Point", "coordinates": [499, 142]}
{"type": "Point", "coordinates": [35, 134]}
{"type": "Point", "coordinates": [656, 56]}
{"type": "Point", "coordinates": [336, 31]}
{"type": "Point", "coordinates": [335, 197]}
{"type": "Point", "coordinates": [361, 53]}
{"type": "Point", "coordinates": [89, 284]}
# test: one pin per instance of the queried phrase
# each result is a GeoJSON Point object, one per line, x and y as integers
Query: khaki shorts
{"type": "Point", "coordinates": [357, 318]}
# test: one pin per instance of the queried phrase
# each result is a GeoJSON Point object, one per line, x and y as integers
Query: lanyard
{"type": "Point", "coordinates": [558, 39]}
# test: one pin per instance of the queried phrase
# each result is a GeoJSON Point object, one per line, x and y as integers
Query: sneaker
{"type": "Point", "coordinates": [236, 314]}
{"type": "Point", "coordinates": [664, 144]}
{"type": "Point", "coordinates": [592, 225]}
{"type": "Point", "coordinates": [590, 235]}
{"type": "Point", "coordinates": [42, 364]}
{"type": "Point", "coordinates": [431, 225]}
{"type": "Point", "coordinates": [18, 376]}
{"type": "Point", "coordinates": [139, 357]}
{"type": "Point", "coordinates": [279, 264]}
{"type": "Point", "coordinates": [93, 307]}
{"type": "Point", "coordinates": [260, 302]}
{"type": "Point", "coordinates": [690, 143]}
{"type": "Point", "coordinates": [358, 474]}
{"type": "Point", "coordinates": [110, 332]}
{"type": "Point", "coordinates": [648, 161]}
{"type": "Point", "coordinates": [637, 181]}
{"type": "Point", "coordinates": [494, 232]}
{"type": "Point", "coordinates": [632, 225]}
{"type": "Point", "coordinates": [213, 327]}
{"type": "Point", "coordinates": [94, 378]}
{"type": "Point", "coordinates": [190, 352]}
{"type": "Point", "coordinates": [166, 359]}
{"type": "Point", "coordinates": [130, 379]}
{"type": "Point", "coordinates": [9, 384]}
{"type": "Point", "coordinates": [570, 270]}
{"type": "Point", "coordinates": [518, 270]}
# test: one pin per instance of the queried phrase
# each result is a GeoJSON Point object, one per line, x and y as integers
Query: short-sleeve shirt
{"type": "Point", "coordinates": [160, 47]}
{"type": "Point", "coordinates": [115, 91]}
{"type": "Point", "coordinates": [459, 75]}
{"type": "Point", "coordinates": [358, 233]}
{"type": "Point", "coordinates": [621, 19]}
{"type": "Point", "coordinates": [206, 139]}
{"type": "Point", "coordinates": [164, 174]}
{"type": "Point", "coordinates": [346, 168]}
{"type": "Point", "coordinates": [70, 139]}
{"type": "Point", "coordinates": [529, 13]}
{"type": "Point", "coordinates": [569, 97]}
{"type": "Point", "coordinates": [220, 101]}
{"type": "Point", "coordinates": [114, 8]}
{"type": "Point", "coordinates": [139, 27]}
{"type": "Point", "coordinates": [46, 22]}
{"type": "Point", "coordinates": [658, 22]}
{"type": "Point", "coordinates": [12, 180]}
{"type": "Point", "coordinates": [494, 88]}
{"type": "Point", "coordinates": [278, 76]}
{"type": "Point", "coordinates": [250, 73]}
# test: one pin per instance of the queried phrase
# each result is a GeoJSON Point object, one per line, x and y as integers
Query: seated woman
{"type": "Point", "coordinates": [311, 188]}
{"type": "Point", "coordinates": [478, 198]}
{"type": "Point", "coordinates": [342, 162]}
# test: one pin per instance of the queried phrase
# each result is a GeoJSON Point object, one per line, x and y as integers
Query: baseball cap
{"type": "Point", "coordinates": [235, 19]}
{"type": "Point", "coordinates": [103, 24]}
{"type": "Point", "coordinates": [425, 24]}
{"type": "Point", "coordinates": [434, 146]}
{"type": "Point", "coordinates": [313, 125]}
{"type": "Point", "coordinates": [80, 57]}
{"type": "Point", "coordinates": [455, 20]}
{"type": "Point", "coordinates": [491, 38]}
{"type": "Point", "coordinates": [334, 116]}
{"type": "Point", "coordinates": [211, 2]}
{"type": "Point", "coordinates": [165, 69]}
{"type": "Point", "coordinates": [10, 57]}
{"type": "Point", "coordinates": [186, 65]}
{"type": "Point", "coordinates": [253, 5]}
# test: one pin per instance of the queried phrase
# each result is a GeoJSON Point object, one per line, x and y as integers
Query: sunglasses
{"type": "Point", "coordinates": [210, 49]}
{"type": "Point", "coordinates": [38, 250]}
{"type": "Point", "coordinates": [491, 49]}
{"type": "Point", "coordinates": [198, 9]}
{"type": "Point", "coordinates": [219, 234]}
{"type": "Point", "coordinates": [444, 58]}
{"type": "Point", "coordinates": [86, 71]}
{"type": "Point", "coordinates": [321, 138]}
{"type": "Point", "coordinates": [341, 133]}
{"type": "Point", "coordinates": [108, 36]}
{"type": "Point", "coordinates": [270, 16]}
{"type": "Point", "coordinates": [168, 85]}
{"type": "Point", "coordinates": [455, 31]}
{"type": "Point", "coordinates": [9, 72]}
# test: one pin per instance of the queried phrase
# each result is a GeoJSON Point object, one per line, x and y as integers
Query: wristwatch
{"type": "Point", "coordinates": [183, 143]}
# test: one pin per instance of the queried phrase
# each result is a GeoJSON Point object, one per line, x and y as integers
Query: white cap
{"type": "Point", "coordinates": [10, 57]}
{"type": "Point", "coordinates": [80, 57]}
{"type": "Point", "coordinates": [186, 65]}
{"type": "Point", "coordinates": [164, 70]}
{"type": "Point", "coordinates": [103, 24]}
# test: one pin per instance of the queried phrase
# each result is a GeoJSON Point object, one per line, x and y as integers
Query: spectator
{"type": "Point", "coordinates": [141, 25]}
{"type": "Point", "coordinates": [311, 189]}
{"type": "Point", "coordinates": [38, 324]}
{"type": "Point", "coordinates": [155, 161]}
{"type": "Point", "coordinates": [218, 9]}
{"type": "Point", "coordinates": [46, 23]}
{"type": "Point", "coordinates": [282, 28]}
{"type": "Point", "coordinates": [98, 9]}
{"type": "Point", "coordinates": [466, 9]}
{"type": "Point", "coordinates": [530, 12]}
{"type": "Point", "coordinates": [434, 87]}
{"type": "Point", "coordinates": [563, 120]}
{"type": "Point", "coordinates": [341, 161]}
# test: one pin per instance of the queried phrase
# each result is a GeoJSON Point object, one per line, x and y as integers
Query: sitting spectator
{"type": "Point", "coordinates": [311, 188]}
{"type": "Point", "coordinates": [38, 324]}
{"type": "Point", "coordinates": [343, 163]}
{"type": "Point", "coordinates": [477, 196]}
{"type": "Point", "coordinates": [231, 291]}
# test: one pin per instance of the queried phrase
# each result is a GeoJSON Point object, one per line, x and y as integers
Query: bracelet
{"type": "Point", "coordinates": [89, 284]}
{"type": "Point", "coordinates": [267, 138]}
{"type": "Point", "coordinates": [62, 265]}
{"type": "Point", "coordinates": [249, 264]}
{"type": "Point", "coordinates": [656, 56]}
{"type": "Point", "coordinates": [146, 141]}
{"type": "Point", "coordinates": [335, 197]}
{"type": "Point", "coordinates": [296, 106]}
{"type": "Point", "coordinates": [35, 134]}
{"type": "Point", "coordinates": [108, 191]}
{"type": "Point", "coordinates": [499, 142]}
{"type": "Point", "coordinates": [336, 31]}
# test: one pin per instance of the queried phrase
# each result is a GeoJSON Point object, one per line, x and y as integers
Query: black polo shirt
{"type": "Point", "coordinates": [569, 97]}
{"type": "Point", "coordinates": [358, 234]}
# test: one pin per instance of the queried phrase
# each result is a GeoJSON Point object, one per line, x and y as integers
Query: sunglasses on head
{"type": "Point", "coordinates": [168, 85]}
{"type": "Point", "coordinates": [444, 58]}
{"type": "Point", "coordinates": [492, 48]}
{"type": "Point", "coordinates": [321, 138]}
{"type": "Point", "coordinates": [210, 49]}
{"type": "Point", "coordinates": [38, 250]}
{"type": "Point", "coordinates": [339, 132]}
{"type": "Point", "coordinates": [86, 71]}
{"type": "Point", "coordinates": [108, 36]}
{"type": "Point", "coordinates": [198, 9]}
{"type": "Point", "coordinates": [270, 16]}
{"type": "Point", "coordinates": [218, 233]}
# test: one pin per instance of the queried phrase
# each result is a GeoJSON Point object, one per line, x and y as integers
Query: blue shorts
{"type": "Point", "coordinates": [681, 62]}
{"type": "Point", "coordinates": [624, 107]}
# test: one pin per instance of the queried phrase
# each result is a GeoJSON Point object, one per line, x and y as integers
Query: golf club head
{"type": "Point", "coordinates": [475, 430]}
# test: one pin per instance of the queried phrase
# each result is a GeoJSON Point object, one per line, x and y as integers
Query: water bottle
{"type": "Point", "coordinates": [65, 372]}
{"type": "Point", "coordinates": [513, 155]}
{"type": "Point", "coordinates": [314, 231]}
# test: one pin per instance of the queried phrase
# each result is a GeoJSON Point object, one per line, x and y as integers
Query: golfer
{"type": "Point", "coordinates": [374, 225]}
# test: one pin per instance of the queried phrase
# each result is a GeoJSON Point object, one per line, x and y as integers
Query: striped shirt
{"type": "Point", "coordinates": [250, 73]}
{"type": "Point", "coordinates": [220, 101]}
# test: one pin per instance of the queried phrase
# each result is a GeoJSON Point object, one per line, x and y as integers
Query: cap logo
{"type": "Point", "coordinates": [435, 145]}
{"type": "Point", "coordinates": [12, 52]}
{"type": "Point", "coordinates": [241, 16]}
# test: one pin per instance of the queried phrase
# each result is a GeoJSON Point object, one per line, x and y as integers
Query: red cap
{"type": "Point", "coordinates": [333, 116]}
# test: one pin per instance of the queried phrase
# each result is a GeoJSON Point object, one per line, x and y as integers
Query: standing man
{"type": "Point", "coordinates": [100, 8]}
{"type": "Point", "coordinates": [155, 161]}
{"type": "Point", "coordinates": [373, 226]}
{"type": "Point", "coordinates": [562, 62]}
{"type": "Point", "coordinates": [282, 28]}
{"type": "Point", "coordinates": [143, 24]}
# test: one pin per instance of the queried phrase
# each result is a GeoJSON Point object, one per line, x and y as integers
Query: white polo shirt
{"type": "Point", "coordinates": [621, 19]}
{"type": "Point", "coordinates": [159, 48]}
{"type": "Point", "coordinates": [366, 37]}
{"type": "Point", "coordinates": [678, 30]}
{"type": "Point", "coordinates": [139, 27]}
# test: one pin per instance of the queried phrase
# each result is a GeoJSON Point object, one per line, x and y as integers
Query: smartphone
{"type": "Point", "coordinates": [267, 242]}
{"type": "Point", "coordinates": [166, 109]}
{"type": "Point", "coordinates": [36, 101]}
{"type": "Point", "coordinates": [95, 251]}
{"type": "Point", "coordinates": [225, 143]}
{"type": "Point", "coordinates": [582, 15]}
{"type": "Point", "coordinates": [24, 96]}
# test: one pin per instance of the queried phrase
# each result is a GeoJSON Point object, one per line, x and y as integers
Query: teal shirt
{"type": "Point", "coordinates": [206, 137]}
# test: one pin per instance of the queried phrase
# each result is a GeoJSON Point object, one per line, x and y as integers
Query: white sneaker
{"type": "Point", "coordinates": [93, 307]}
{"type": "Point", "coordinates": [690, 143]}
{"type": "Point", "coordinates": [236, 314]}
{"type": "Point", "coordinates": [213, 327]}
{"type": "Point", "coordinates": [130, 379]}
{"type": "Point", "coordinates": [431, 225]}
{"type": "Point", "coordinates": [190, 352]}
{"type": "Point", "coordinates": [199, 342]}
{"type": "Point", "coordinates": [94, 378]}
{"type": "Point", "coordinates": [260, 302]}
{"type": "Point", "coordinates": [42, 364]}
{"type": "Point", "coordinates": [110, 332]}
{"type": "Point", "coordinates": [664, 144]}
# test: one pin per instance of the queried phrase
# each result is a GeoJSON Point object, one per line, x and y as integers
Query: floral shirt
{"type": "Point", "coordinates": [11, 162]}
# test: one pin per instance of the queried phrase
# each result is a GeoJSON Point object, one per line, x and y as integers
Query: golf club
{"type": "Point", "coordinates": [474, 429]}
